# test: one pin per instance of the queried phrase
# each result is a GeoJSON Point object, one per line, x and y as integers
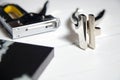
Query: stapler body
{"type": "Point", "coordinates": [20, 23]}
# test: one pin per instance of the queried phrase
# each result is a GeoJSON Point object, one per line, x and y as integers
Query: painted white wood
{"type": "Point", "coordinates": [70, 62]}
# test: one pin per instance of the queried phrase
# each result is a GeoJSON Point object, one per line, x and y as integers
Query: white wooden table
{"type": "Point", "coordinates": [70, 62]}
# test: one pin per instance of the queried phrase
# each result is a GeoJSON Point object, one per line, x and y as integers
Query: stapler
{"type": "Point", "coordinates": [19, 23]}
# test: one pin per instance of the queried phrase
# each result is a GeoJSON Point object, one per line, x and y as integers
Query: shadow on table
{"type": "Point", "coordinates": [72, 36]}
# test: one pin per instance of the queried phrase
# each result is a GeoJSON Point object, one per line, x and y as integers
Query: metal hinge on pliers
{"type": "Point", "coordinates": [86, 28]}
